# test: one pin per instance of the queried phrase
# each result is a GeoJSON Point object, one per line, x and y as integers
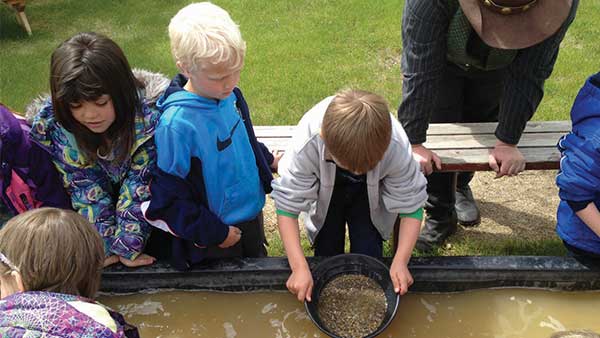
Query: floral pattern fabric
{"type": "Point", "coordinates": [46, 314]}
{"type": "Point", "coordinates": [108, 194]}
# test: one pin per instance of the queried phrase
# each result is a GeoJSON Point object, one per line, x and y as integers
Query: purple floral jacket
{"type": "Point", "coordinates": [106, 193]}
{"type": "Point", "coordinates": [47, 314]}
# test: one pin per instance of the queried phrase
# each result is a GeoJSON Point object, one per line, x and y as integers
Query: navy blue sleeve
{"type": "Point", "coordinates": [578, 205]}
{"type": "Point", "coordinates": [264, 158]}
{"type": "Point", "coordinates": [174, 203]}
{"type": "Point", "coordinates": [268, 156]}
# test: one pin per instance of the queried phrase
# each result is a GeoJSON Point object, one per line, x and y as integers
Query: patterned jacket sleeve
{"type": "Point", "coordinates": [132, 228]}
{"type": "Point", "coordinates": [90, 197]}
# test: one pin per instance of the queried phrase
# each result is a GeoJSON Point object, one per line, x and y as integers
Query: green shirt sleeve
{"type": "Point", "coordinates": [418, 214]}
{"type": "Point", "coordinates": [289, 214]}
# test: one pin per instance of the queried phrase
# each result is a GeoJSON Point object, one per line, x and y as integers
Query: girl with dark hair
{"type": "Point", "coordinates": [99, 127]}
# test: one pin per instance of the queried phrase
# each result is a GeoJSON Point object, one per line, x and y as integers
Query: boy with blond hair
{"type": "Point", "coordinates": [209, 189]}
{"type": "Point", "coordinates": [349, 162]}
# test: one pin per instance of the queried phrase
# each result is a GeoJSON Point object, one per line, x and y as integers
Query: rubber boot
{"type": "Point", "coordinates": [467, 211]}
{"type": "Point", "coordinates": [441, 220]}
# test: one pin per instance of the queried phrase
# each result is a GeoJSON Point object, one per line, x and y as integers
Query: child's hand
{"type": "Point", "coordinates": [300, 284]}
{"type": "Point", "coordinates": [110, 260]}
{"type": "Point", "coordinates": [140, 260]}
{"type": "Point", "coordinates": [234, 236]}
{"type": "Point", "coordinates": [276, 157]}
{"type": "Point", "coordinates": [401, 277]}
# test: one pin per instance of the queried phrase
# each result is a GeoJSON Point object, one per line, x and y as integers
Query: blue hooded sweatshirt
{"type": "Point", "coordinates": [212, 172]}
{"type": "Point", "coordinates": [579, 176]}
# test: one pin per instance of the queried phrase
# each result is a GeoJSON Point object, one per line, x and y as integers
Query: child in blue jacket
{"type": "Point", "coordinates": [209, 189]}
{"type": "Point", "coordinates": [579, 176]}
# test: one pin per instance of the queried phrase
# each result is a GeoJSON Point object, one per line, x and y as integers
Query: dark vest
{"type": "Point", "coordinates": [466, 49]}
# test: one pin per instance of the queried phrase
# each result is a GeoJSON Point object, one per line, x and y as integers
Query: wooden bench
{"type": "Point", "coordinates": [463, 146]}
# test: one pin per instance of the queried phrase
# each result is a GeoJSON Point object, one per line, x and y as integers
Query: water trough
{"type": "Point", "coordinates": [431, 274]}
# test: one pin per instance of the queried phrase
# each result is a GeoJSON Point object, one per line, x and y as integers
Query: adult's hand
{"type": "Point", "coordinates": [506, 159]}
{"type": "Point", "coordinates": [426, 158]}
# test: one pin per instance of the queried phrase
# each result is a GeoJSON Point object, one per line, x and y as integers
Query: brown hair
{"type": "Point", "coordinates": [55, 250]}
{"type": "Point", "coordinates": [83, 68]}
{"type": "Point", "coordinates": [357, 129]}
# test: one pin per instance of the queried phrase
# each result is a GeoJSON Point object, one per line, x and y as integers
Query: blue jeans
{"type": "Point", "coordinates": [349, 204]}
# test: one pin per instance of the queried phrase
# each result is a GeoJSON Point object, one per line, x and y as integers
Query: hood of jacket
{"type": "Point", "coordinates": [176, 95]}
{"type": "Point", "coordinates": [587, 102]}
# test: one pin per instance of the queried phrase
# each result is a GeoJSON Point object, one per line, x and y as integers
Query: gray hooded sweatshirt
{"type": "Point", "coordinates": [306, 180]}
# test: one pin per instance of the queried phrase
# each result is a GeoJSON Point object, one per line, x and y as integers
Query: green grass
{"type": "Point", "coordinates": [466, 246]}
{"type": "Point", "coordinates": [298, 52]}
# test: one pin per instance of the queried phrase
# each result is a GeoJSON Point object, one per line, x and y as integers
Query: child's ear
{"type": "Point", "coordinates": [18, 280]}
{"type": "Point", "coordinates": [182, 68]}
{"type": "Point", "coordinates": [11, 284]}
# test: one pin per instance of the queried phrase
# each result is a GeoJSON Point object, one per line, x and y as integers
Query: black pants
{"type": "Point", "coordinates": [251, 244]}
{"type": "Point", "coordinates": [466, 96]}
{"type": "Point", "coordinates": [580, 253]}
{"type": "Point", "coordinates": [349, 204]}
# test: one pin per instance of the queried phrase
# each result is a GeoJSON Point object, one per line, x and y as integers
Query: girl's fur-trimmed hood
{"type": "Point", "coordinates": [154, 85]}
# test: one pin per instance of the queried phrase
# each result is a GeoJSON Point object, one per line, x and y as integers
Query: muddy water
{"type": "Point", "coordinates": [502, 313]}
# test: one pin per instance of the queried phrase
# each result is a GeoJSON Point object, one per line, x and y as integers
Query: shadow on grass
{"type": "Point", "coordinates": [513, 232]}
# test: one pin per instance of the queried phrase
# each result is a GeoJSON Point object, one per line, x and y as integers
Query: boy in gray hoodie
{"type": "Point", "coordinates": [349, 162]}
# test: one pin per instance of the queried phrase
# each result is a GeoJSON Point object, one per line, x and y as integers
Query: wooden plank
{"type": "Point", "coordinates": [477, 159]}
{"type": "Point", "coordinates": [490, 128]}
{"type": "Point", "coordinates": [274, 131]}
{"type": "Point", "coordinates": [464, 146]}
{"type": "Point", "coordinates": [439, 142]}
{"type": "Point", "coordinates": [483, 141]}
{"type": "Point", "coordinates": [441, 128]}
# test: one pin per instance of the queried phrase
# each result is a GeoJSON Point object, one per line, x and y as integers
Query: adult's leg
{"type": "Point", "coordinates": [483, 92]}
{"type": "Point", "coordinates": [441, 216]}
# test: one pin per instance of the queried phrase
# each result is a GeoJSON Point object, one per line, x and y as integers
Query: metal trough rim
{"type": "Point", "coordinates": [431, 274]}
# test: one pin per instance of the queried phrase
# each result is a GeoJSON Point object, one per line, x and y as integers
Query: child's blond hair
{"type": "Point", "coordinates": [54, 250]}
{"type": "Point", "coordinates": [357, 129]}
{"type": "Point", "coordinates": [204, 34]}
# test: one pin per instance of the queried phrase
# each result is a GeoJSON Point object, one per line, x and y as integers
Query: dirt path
{"type": "Point", "coordinates": [521, 207]}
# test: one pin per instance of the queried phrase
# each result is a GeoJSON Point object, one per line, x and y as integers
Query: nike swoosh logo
{"type": "Point", "coordinates": [222, 145]}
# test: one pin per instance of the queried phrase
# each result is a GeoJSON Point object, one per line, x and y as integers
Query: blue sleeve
{"type": "Point", "coordinates": [173, 151]}
{"type": "Point", "coordinates": [579, 174]}
{"type": "Point", "coordinates": [174, 204]}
